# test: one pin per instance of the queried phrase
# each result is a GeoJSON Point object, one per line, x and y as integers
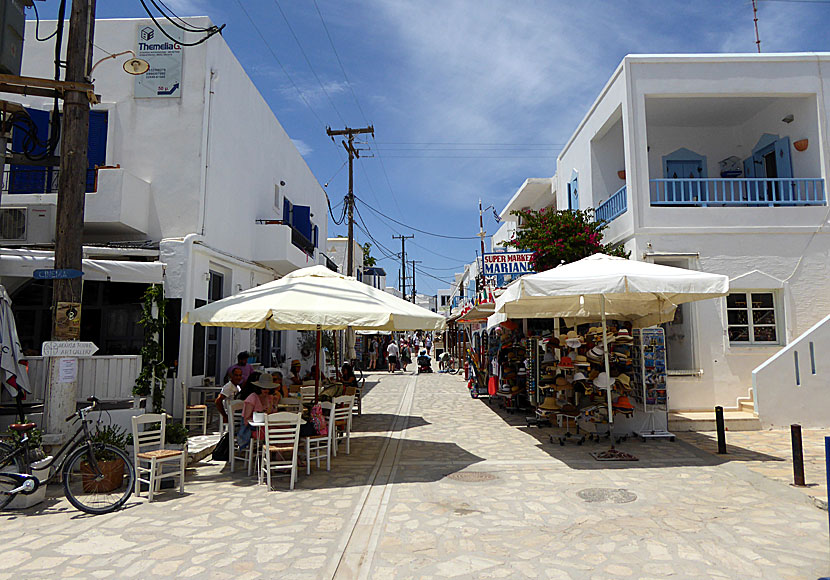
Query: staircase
{"type": "Point", "coordinates": [741, 418]}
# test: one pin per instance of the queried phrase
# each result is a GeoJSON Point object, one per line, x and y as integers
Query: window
{"type": "Point", "coordinates": [751, 318]}
{"type": "Point", "coordinates": [573, 192]}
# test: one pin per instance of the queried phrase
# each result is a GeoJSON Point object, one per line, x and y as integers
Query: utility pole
{"type": "Point", "coordinates": [403, 261]}
{"type": "Point", "coordinates": [413, 278]}
{"type": "Point", "coordinates": [353, 153]}
{"type": "Point", "coordinates": [755, 18]}
{"type": "Point", "coordinates": [66, 293]}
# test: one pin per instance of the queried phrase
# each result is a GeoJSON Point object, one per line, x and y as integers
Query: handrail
{"type": "Point", "coordinates": [747, 192]}
{"type": "Point", "coordinates": [613, 207]}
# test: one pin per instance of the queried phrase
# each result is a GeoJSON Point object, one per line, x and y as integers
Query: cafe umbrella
{"type": "Point", "coordinates": [316, 298]}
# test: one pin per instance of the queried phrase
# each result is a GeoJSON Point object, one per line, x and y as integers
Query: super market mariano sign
{"type": "Point", "coordinates": [504, 267]}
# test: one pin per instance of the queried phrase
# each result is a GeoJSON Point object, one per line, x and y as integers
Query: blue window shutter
{"type": "Point", "coordinates": [96, 152]}
{"type": "Point", "coordinates": [316, 234]}
{"type": "Point", "coordinates": [286, 211]}
{"type": "Point", "coordinates": [302, 220]}
{"type": "Point", "coordinates": [783, 161]}
{"type": "Point", "coordinates": [573, 194]}
{"type": "Point", "coordinates": [30, 178]}
{"type": "Point", "coordinates": [749, 167]}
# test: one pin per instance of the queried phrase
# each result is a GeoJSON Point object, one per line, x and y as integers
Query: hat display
{"type": "Point", "coordinates": [572, 334]}
{"type": "Point", "coordinates": [596, 354]}
{"type": "Point", "coordinates": [566, 362]}
{"type": "Point", "coordinates": [623, 404]}
{"type": "Point", "coordinates": [562, 382]}
{"type": "Point", "coordinates": [593, 374]}
{"type": "Point", "coordinates": [581, 360]}
{"type": "Point", "coordinates": [603, 381]}
{"type": "Point", "coordinates": [579, 376]}
{"type": "Point", "coordinates": [624, 379]}
{"type": "Point", "coordinates": [574, 342]}
{"type": "Point", "coordinates": [563, 339]}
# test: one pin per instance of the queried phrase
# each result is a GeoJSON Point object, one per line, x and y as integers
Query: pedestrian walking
{"type": "Point", "coordinates": [406, 355]}
{"type": "Point", "coordinates": [392, 356]}
{"type": "Point", "coordinates": [373, 354]}
{"type": "Point", "coordinates": [428, 345]}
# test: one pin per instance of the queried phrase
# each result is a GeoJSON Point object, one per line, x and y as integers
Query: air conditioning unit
{"type": "Point", "coordinates": [27, 225]}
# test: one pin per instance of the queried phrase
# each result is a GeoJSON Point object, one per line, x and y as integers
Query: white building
{"type": "Point", "coordinates": [718, 163]}
{"type": "Point", "coordinates": [337, 251]}
{"type": "Point", "coordinates": [202, 183]}
{"type": "Point", "coordinates": [535, 193]}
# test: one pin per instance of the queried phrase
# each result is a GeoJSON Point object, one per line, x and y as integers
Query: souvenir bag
{"type": "Point", "coordinates": [318, 420]}
{"type": "Point", "coordinates": [492, 386]}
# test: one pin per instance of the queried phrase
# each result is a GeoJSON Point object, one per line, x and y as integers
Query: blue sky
{"type": "Point", "coordinates": [468, 97]}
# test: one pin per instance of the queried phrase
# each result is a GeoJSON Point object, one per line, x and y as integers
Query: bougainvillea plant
{"type": "Point", "coordinates": [564, 236]}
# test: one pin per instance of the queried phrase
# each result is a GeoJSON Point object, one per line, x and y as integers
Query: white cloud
{"type": "Point", "coordinates": [303, 147]}
{"type": "Point", "coordinates": [189, 7]}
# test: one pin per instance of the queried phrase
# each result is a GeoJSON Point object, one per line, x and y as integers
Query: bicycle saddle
{"type": "Point", "coordinates": [22, 427]}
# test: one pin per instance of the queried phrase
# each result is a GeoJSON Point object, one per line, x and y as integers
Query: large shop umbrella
{"type": "Point", "coordinates": [316, 298]}
{"type": "Point", "coordinates": [600, 287]}
{"type": "Point", "coordinates": [13, 374]}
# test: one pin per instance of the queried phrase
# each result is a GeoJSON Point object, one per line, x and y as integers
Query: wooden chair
{"type": "Point", "coordinates": [320, 446]}
{"type": "Point", "coordinates": [150, 456]}
{"type": "Point", "coordinates": [194, 415]}
{"type": "Point", "coordinates": [342, 421]}
{"type": "Point", "coordinates": [234, 422]}
{"type": "Point", "coordinates": [282, 437]}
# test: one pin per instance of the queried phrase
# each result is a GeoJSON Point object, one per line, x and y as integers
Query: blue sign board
{"type": "Point", "coordinates": [57, 274]}
{"type": "Point", "coordinates": [501, 268]}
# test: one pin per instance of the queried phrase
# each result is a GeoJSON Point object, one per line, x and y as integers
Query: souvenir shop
{"type": "Point", "coordinates": [596, 386]}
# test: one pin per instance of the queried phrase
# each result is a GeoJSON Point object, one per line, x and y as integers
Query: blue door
{"type": "Point", "coordinates": [30, 178]}
{"type": "Point", "coordinates": [683, 189]}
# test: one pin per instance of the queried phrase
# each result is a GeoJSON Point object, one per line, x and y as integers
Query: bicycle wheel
{"type": "Point", "coordinates": [8, 464]}
{"type": "Point", "coordinates": [98, 493]}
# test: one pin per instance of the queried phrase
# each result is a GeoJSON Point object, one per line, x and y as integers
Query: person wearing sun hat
{"type": "Point", "coordinates": [295, 378]}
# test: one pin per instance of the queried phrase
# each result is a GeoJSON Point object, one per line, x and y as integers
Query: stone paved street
{"type": "Point", "coordinates": [439, 485]}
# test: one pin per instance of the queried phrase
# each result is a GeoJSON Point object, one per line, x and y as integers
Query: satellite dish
{"type": "Point", "coordinates": [136, 66]}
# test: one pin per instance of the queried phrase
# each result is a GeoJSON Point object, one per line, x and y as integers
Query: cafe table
{"type": "Point", "coordinates": [258, 421]}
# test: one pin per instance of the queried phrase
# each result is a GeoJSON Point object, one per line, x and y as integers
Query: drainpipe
{"type": "Point", "coordinates": [205, 149]}
{"type": "Point", "coordinates": [187, 304]}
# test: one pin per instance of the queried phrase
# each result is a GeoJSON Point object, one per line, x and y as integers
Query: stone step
{"type": "Point", "coordinates": [747, 406]}
{"type": "Point", "coordinates": [705, 421]}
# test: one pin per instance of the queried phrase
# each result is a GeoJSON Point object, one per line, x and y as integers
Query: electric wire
{"type": "Point", "coordinates": [37, 26]}
{"type": "Point", "coordinates": [340, 62]}
{"type": "Point", "coordinates": [279, 62]}
{"type": "Point", "coordinates": [425, 232]}
{"type": "Point", "coordinates": [213, 30]}
{"type": "Point", "coordinates": [308, 62]}
{"type": "Point", "coordinates": [176, 20]}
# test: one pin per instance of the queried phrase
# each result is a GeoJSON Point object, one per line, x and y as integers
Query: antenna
{"type": "Point", "coordinates": [755, 18]}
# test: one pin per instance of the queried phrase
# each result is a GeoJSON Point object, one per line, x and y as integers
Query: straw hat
{"type": "Point", "coordinates": [593, 374]}
{"type": "Point", "coordinates": [624, 336]}
{"type": "Point", "coordinates": [574, 342]}
{"type": "Point", "coordinates": [265, 381]}
{"type": "Point", "coordinates": [563, 339]}
{"type": "Point", "coordinates": [549, 404]}
{"type": "Point", "coordinates": [596, 354]}
{"type": "Point", "coordinates": [581, 361]}
{"type": "Point", "coordinates": [572, 334]}
{"type": "Point", "coordinates": [624, 379]}
{"type": "Point", "coordinates": [603, 381]}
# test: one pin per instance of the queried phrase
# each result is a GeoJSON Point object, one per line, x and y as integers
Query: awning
{"type": "Point", "coordinates": [22, 264]}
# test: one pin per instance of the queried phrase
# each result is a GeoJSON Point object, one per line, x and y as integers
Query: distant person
{"type": "Point", "coordinates": [241, 363]}
{"type": "Point", "coordinates": [294, 375]}
{"type": "Point", "coordinates": [428, 345]}
{"type": "Point", "coordinates": [229, 392]}
{"type": "Point", "coordinates": [347, 376]}
{"type": "Point", "coordinates": [406, 355]}
{"type": "Point", "coordinates": [392, 356]}
{"type": "Point", "coordinates": [373, 354]}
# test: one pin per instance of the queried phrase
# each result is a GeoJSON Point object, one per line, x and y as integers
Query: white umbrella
{"type": "Point", "coordinates": [316, 298]}
{"type": "Point", "coordinates": [13, 373]}
{"type": "Point", "coordinates": [600, 287]}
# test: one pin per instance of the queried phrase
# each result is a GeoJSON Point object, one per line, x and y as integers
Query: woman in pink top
{"type": "Point", "coordinates": [259, 399]}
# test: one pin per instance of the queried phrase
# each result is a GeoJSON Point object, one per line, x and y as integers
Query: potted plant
{"type": "Point", "coordinates": [175, 434]}
{"type": "Point", "coordinates": [111, 466]}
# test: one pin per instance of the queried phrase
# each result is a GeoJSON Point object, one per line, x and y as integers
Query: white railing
{"type": "Point", "coordinates": [792, 385]}
{"type": "Point", "coordinates": [106, 377]}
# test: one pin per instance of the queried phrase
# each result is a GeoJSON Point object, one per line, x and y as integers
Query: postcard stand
{"type": "Point", "coordinates": [650, 361]}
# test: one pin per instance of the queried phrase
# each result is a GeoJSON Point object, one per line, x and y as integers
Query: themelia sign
{"type": "Point", "coordinates": [501, 268]}
{"type": "Point", "coordinates": [164, 79]}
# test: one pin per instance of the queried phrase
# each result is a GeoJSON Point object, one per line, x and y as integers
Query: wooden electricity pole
{"type": "Point", "coordinates": [66, 293]}
{"type": "Point", "coordinates": [353, 153]}
{"type": "Point", "coordinates": [403, 261]}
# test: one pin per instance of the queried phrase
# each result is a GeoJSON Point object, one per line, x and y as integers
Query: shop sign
{"type": "Point", "coordinates": [501, 268]}
{"type": "Point", "coordinates": [164, 78]}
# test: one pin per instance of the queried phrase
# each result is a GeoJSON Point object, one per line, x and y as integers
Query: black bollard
{"type": "Point", "coordinates": [721, 430]}
{"type": "Point", "coordinates": [798, 456]}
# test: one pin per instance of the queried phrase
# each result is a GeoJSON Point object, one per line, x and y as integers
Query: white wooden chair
{"type": "Point", "coordinates": [291, 404]}
{"type": "Point", "coordinates": [279, 450]}
{"type": "Point", "coordinates": [234, 422]}
{"type": "Point", "coordinates": [320, 446]}
{"type": "Point", "coordinates": [150, 456]}
{"type": "Point", "coordinates": [342, 421]}
{"type": "Point", "coordinates": [194, 416]}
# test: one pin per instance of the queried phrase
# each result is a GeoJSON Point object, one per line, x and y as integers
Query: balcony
{"type": "Point", "coordinates": [281, 247]}
{"type": "Point", "coordinates": [117, 202]}
{"type": "Point", "coordinates": [613, 207]}
{"type": "Point", "coordinates": [744, 192]}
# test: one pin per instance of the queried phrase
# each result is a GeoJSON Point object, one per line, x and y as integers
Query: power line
{"type": "Point", "coordinates": [414, 228]}
{"type": "Point", "coordinates": [308, 62]}
{"type": "Point", "coordinates": [208, 33]}
{"type": "Point", "coordinates": [279, 62]}
{"type": "Point", "coordinates": [456, 260]}
{"type": "Point", "coordinates": [339, 62]}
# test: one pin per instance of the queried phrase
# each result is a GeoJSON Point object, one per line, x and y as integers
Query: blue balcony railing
{"type": "Point", "coordinates": [738, 192]}
{"type": "Point", "coordinates": [613, 207]}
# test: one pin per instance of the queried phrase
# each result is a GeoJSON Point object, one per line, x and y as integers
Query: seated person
{"type": "Point", "coordinates": [312, 372]}
{"type": "Point", "coordinates": [423, 358]}
{"type": "Point", "coordinates": [258, 397]}
{"type": "Point", "coordinates": [347, 376]}
{"type": "Point", "coordinates": [229, 391]}
{"type": "Point", "coordinates": [295, 378]}
{"type": "Point", "coordinates": [281, 389]}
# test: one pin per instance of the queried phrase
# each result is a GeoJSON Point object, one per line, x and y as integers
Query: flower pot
{"type": "Point", "coordinates": [801, 144]}
{"type": "Point", "coordinates": [621, 174]}
{"type": "Point", "coordinates": [112, 470]}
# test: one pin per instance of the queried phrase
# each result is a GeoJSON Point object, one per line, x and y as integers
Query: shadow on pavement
{"type": "Point", "coordinates": [380, 422]}
{"type": "Point", "coordinates": [709, 444]}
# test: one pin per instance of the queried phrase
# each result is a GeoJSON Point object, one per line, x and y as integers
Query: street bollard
{"type": "Point", "coordinates": [827, 470]}
{"type": "Point", "coordinates": [798, 456]}
{"type": "Point", "coordinates": [721, 430]}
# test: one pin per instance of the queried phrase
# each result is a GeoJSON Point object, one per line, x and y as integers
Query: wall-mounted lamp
{"type": "Point", "coordinates": [239, 287]}
{"type": "Point", "coordinates": [207, 276]}
{"type": "Point", "coordinates": [788, 119]}
{"type": "Point", "coordinates": [801, 144]}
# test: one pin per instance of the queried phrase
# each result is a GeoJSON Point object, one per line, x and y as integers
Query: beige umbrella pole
{"type": "Point", "coordinates": [607, 365]}
{"type": "Point", "coordinates": [317, 361]}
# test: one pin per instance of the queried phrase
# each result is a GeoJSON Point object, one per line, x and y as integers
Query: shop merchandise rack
{"type": "Point", "coordinates": [649, 358]}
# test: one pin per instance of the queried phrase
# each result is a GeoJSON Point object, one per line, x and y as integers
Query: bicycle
{"type": "Point", "coordinates": [93, 480]}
